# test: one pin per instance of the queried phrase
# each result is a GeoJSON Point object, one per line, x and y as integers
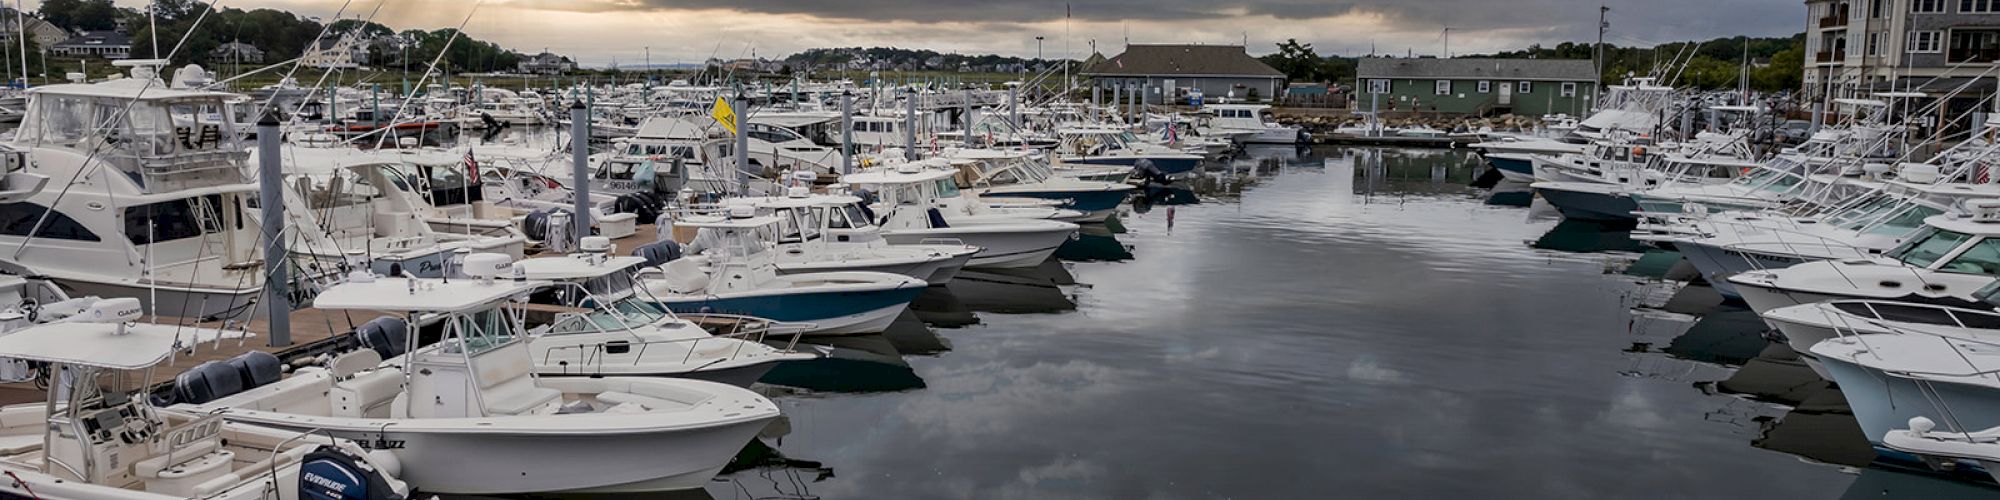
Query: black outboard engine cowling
{"type": "Point", "coordinates": [330, 473]}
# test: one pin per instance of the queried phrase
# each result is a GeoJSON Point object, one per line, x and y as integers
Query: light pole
{"type": "Point", "coordinates": [1038, 52]}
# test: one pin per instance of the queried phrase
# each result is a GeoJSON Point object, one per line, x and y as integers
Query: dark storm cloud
{"type": "Point", "coordinates": [1644, 19]}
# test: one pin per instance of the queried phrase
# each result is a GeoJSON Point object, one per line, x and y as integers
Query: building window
{"type": "Point", "coordinates": [1978, 6]}
{"type": "Point", "coordinates": [1569, 89]}
{"type": "Point", "coordinates": [1927, 6]}
{"type": "Point", "coordinates": [1875, 44]}
{"type": "Point", "coordinates": [1875, 10]}
{"type": "Point", "coordinates": [1444, 87]}
{"type": "Point", "coordinates": [1974, 46]}
{"type": "Point", "coordinates": [1524, 87]}
{"type": "Point", "coordinates": [1485, 86]}
{"type": "Point", "coordinates": [1378, 86]}
{"type": "Point", "coordinates": [1926, 41]}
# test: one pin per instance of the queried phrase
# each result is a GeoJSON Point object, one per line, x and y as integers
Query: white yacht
{"type": "Point", "coordinates": [152, 198]}
{"type": "Point", "coordinates": [818, 234]}
{"type": "Point", "coordinates": [1251, 124]}
{"type": "Point", "coordinates": [603, 325]}
{"type": "Point", "coordinates": [732, 269]}
{"type": "Point", "coordinates": [468, 415]}
{"type": "Point", "coordinates": [344, 202]}
{"type": "Point", "coordinates": [919, 205]}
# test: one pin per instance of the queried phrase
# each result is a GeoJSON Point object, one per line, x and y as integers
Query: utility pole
{"type": "Point", "coordinates": [270, 179]}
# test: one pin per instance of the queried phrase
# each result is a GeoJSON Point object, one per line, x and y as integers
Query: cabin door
{"type": "Point", "coordinates": [1506, 93]}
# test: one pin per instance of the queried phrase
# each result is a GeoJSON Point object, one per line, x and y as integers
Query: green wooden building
{"type": "Point", "coordinates": [1482, 87]}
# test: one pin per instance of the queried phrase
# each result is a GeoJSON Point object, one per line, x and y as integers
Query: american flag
{"type": "Point", "coordinates": [471, 165]}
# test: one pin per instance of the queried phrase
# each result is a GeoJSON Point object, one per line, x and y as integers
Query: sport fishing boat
{"type": "Point", "coordinates": [732, 269]}
{"type": "Point", "coordinates": [1901, 361]}
{"type": "Point", "coordinates": [823, 233]}
{"type": "Point", "coordinates": [997, 174]}
{"type": "Point", "coordinates": [350, 201]}
{"type": "Point", "coordinates": [601, 324]}
{"type": "Point", "coordinates": [1251, 124]}
{"type": "Point", "coordinates": [468, 415]}
{"type": "Point", "coordinates": [151, 205]}
{"type": "Point", "coordinates": [919, 205]}
{"type": "Point", "coordinates": [100, 437]}
{"type": "Point", "coordinates": [1116, 146]}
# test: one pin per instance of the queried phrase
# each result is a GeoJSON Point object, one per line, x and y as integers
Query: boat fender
{"type": "Point", "coordinates": [330, 473]}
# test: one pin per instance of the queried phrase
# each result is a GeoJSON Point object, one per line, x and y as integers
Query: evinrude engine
{"type": "Point", "coordinates": [330, 473]}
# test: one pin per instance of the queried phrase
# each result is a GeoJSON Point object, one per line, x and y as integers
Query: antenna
{"type": "Point", "coordinates": [1447, 41]}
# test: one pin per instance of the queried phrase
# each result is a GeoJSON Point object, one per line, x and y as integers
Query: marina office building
{"type": "Point", "coordinates": [1476, 86]}
{"type": "Point", "coordinates": [1220, 71]}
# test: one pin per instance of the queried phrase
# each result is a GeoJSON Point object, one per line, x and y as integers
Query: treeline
{"type": "Point", "coordinates": [281, 35]}
{"type": "Point", "coordinates": [919, 58]}
{"type": "Point", "coordinates": [1777, 63]}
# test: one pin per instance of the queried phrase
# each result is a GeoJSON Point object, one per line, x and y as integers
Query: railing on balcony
{"type": "Point", "coordinates": [1832, 22]}
{"type": "Point", "coordinates": [1826, 56]}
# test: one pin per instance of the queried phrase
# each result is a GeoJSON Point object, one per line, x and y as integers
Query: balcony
{"type": "Point", "coordinates": [1832, 22]}
{"type": "Point", "coordinates": [1823, 57]}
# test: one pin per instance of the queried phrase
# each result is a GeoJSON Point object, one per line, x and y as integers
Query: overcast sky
{"type": "Point", "coordinates": [597, 31]}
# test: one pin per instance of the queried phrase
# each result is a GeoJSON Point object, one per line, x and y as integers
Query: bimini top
{"type": "Point", "coordinates": [99, 344]}
{"type": "Point", "coordinates": [576, 267]}
{"type": "Point", "coordinates": [899, 174]}
{"type": "Point", "coordinates": [781, 202]}
{"type": "Point", "coordinates": [986, 153]}
{"type": "Point", "coordinates": [713, 222]}
{"type": "Point", "coordinates": [325, 160]}
{"type": "Point", "coordinates": [428, 295]}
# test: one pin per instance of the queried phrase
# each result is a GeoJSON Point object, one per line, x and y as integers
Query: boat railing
{"type": "Point", "coordinates": [280, 447]}
{"type": "Point", "coordinates": [591, 357]}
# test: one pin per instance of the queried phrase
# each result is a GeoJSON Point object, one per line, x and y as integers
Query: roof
{"type": "Point", "coordinates": [1190, 60]}
{"type": "Point", "coordinates": [97, 39]}
{"type": "Point", "coordinates": [891, 176]}
{"type": "Point", "coordinates": [430, 295]}
{"type": "Point", "coordinates": [794, 120]}
{"type": "Point", "coordinates": [1477, 68]}
{"type": "Point", "coordinates": [712, 222]}
{"type": "Point", "coordinates": [99, 344]}
{"type": "Point", "coordinates": [574, 267]}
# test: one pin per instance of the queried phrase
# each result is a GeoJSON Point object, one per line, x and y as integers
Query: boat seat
{"type": "Point", "coordinates": [192, 465]}
{"type": "Point", "coordinates": [619, 398]}
{"type": "Point", "coordinates": [15, 445]}
{"type": "Point", "coordinates": [360, 396]}
{"type": "Point", "coordinates": [521, 397]}
{"type": "Point", "coordinates": [353, 362]}
{"type": "Point", "coordinates": [683, 276]}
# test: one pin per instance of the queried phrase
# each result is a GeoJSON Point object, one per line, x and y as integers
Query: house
{"type": "Point", "coordinates": [545, 64]}
{"type": "Point", "coordinates": [104, 44]}
{"type": "Point", "coordinates": [334, 52]}
{"type": "Point", "coordinates": [1476, 86]}
{"type": "Point", "coordinates": [1224, 71]}
{"type": "Point", "coordinates": [42, 32]}
{"type": "Point", "coordinates": [236, 52]}
{"type": "Point", "coordinates": [1856, 47]}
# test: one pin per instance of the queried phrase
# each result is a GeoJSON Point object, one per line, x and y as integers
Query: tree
{"type": "Point", "coordinates": [1297, 61]}
{"type": "Point", "coordinates": [85, 15]}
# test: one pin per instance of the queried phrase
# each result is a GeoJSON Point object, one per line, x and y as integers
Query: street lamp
{"type": "Point", "coordinates": [1038, 51]}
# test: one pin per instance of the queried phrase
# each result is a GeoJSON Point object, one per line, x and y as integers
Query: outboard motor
{"type": "Point", "coordinates": [208, 382]}
{"type": "Point", "coordinates": [535, 225]}
{"type": "Point", "coordinates": [330, 473]}
{"type": "Point", "coordinates": [386, 335]}
{"type": "Point", "coordinates": [491, 124]}
{"type": "Point", "coordinates": [1145, 170]}
{"type": "Point", "coordinates": [658, 253]}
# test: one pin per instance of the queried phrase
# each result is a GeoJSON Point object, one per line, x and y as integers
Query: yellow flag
{"type": "Point", "coordinates": [723, 115]}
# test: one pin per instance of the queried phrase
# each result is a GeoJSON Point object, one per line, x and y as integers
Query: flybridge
{"type": "Point", "coordinates": [164, 139]}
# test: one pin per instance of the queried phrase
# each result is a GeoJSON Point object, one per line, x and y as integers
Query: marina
{"type": "Point", "coordinates": [327, 258]}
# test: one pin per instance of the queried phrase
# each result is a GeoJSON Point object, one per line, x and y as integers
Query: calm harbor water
{"type": "Point", "coordinates": [1314, 323]}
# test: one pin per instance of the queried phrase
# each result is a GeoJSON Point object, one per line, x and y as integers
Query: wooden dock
{"type": "Point", "coordinates": [313, 331]}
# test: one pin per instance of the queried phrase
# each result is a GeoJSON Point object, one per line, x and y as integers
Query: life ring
{"type": "Point", "coordinates": [1638, 151]}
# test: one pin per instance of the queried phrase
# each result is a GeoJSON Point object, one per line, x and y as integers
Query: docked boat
{"type": "Point", "coordinates": [1251, 124]}
{"type": "Point", "coordinates": [100, 437]}
{"type": "Point", "coordinates": [824, 233]}
{"type": "Point", "coordinates": [153, 203]}
{"type": "Point", "coordinates": [468, 414]}
{"type": "Point", "coordinates": [352, 201]}
{"type": "Point", "coordinates": [601, 325]}
{"type": "Point", "coordinates": [919, 205]}
{"type": "Point", "coordinates": [1115, 146]}
{"type": "Point", "coordinates": [732, 269]}
{"type": "Point", "coordinates": [1921, 363]}
{"type": "Point", "coordinates": [1002, 174]}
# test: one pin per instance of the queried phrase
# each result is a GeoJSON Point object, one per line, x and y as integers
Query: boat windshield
{"type": "Point", "coordinates": [946, 188]}
{"type": "Point", "coordinates": [1980, 258]}
{"type": "Point", "coordinates": [625, 313]}
{"type": "Point", "coordinates": [478, 332]}
{"type": "Point", "coordinates": [1926, 248]}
